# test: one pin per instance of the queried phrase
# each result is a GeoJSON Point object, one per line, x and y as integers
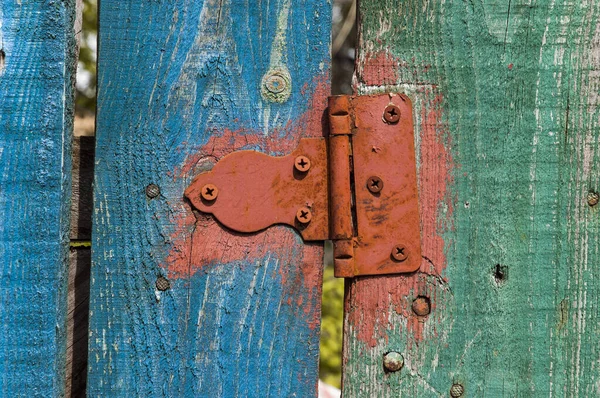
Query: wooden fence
{"type": "Point", "coordinates": [505, 97]}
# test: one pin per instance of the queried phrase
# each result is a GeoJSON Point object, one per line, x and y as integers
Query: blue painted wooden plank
{"type": "Point", "coordinates": [182, 84]}
{"type": "Point", "coordinates": [37, 63]}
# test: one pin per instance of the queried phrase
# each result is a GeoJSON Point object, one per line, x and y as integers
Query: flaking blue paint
{"type": "Point", "coordinates": [36, 104]}
{"type": "Point", "coordinates": [171, 75]}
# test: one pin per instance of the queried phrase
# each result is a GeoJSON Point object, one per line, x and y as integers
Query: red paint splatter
{"type": "Point", "coordinates": [371, 299]}
{"type": "Point", "coordinates": [379, 69]}
{"type": "Point", "coordinates": [199, 241]}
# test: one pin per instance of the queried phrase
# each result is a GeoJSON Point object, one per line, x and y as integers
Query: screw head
{"type": "Point", "coordinates": [210, 192]}
{"type": "Point", "coordinates": [304, 215]}
{"type": "Point", "coordinates": [421, 306]}
{"type": "Point", "coordinates": [302, 164]}
{"type": "Point", "coordinates": [162, 283]}
{"type": "Point", "coordinates": [152, 191]}
{"type": "Point", "coordinates": [457, 390]}
{"type": "Point", "coordinates": [391, 114]}
{"type": "Point", "coordinates": [393, 361]}
{"type": "Point", "coordinates": [593, 198]}
{"type": "Point", "coordinates": [399, 253]}
{"type": "Point", "coordinates": [374, 184]}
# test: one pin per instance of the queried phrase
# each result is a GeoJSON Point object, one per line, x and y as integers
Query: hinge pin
{"type": "Point", "coordinates": [302, 164]}
{"type": "Point", "coordinates": [304, 215]}
{"type": "Point", "coordinates": [209, 192]}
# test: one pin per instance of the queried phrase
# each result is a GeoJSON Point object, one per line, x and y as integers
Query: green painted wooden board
{"type": "Point", "coordinates": [37, 66]}
{"type": "Point", "coordinates": [507, 127]}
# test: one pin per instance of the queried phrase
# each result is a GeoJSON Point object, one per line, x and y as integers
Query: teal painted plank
{"type": "Point", "coordinates": [507, 119]}
{"type": "Point", "coordinates": [37, 65]}
{"type": "Point", "coordinates": [180, 86]}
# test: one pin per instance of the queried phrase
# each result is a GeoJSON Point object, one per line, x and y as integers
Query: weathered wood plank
{"type": "Point", "coordinates": [78, 321]}
{"type": "Point", "coordinates": [82, 179]}
{"type": "Point", "coordinates": [79, 265]}
{"type": "Point", "coordinates": [507, 118]}
{"type": "Point", "coordinates": [180, 86]}
{"type": "Point", "coordinates": [37, 64]}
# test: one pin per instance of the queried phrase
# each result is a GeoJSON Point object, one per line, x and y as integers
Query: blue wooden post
{"type": "Point", "coordinates": [37, 62]}
{"type": "Point", "coordinates": [179, 305]}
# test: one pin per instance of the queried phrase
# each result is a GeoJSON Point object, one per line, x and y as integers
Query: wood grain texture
{"type": "Point", "coordinates": [180, 86]}
{"type": "Point", "coordinates": [82, 155]}
{"type": "Point", "coordinates": [37, 65]}
{"type": "Point", "coordinates": [507, 123]}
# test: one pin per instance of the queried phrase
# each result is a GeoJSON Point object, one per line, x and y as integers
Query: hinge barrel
{"type": "Point", "coordinates": [341, 229]}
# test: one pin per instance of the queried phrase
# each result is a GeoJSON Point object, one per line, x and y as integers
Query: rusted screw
{"type": "Point", "coordinates": [421, 306]}
{"type": "Point", "coordinates": [391, 114]}
{"type": "Point", "coordinates": [304, 215]}
{"type": "Point", "coordinates": [399, 253]}
{"type": "Point", "coordinates": [152, 191]}
{"type": "Point", "coordinates": [162, 283]}
{"type": "Point", "coordinates": [302, 164]}
{"type": "Point", "coordinates": [209, 192]}
{"type": "Point", "coordinates": [593, 198]}
{"type": "Point", "coordinates": [457, 390]}
{"type": "Point", "coordinates": [375, 184]}
{"type": "Point", "coordinates": [393, 361]}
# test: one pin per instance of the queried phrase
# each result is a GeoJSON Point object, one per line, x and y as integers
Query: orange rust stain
{"type": "Point", "coordinates": [371, 299]}
{"type": "Point", "coordinates": [435, 177]}
{"type": "Point", "coordinates": [199, 241]}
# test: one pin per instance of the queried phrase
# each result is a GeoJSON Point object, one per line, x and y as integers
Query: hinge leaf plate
{"type": "Point", "coordinates": [255, 191]}
{"type": "Point", "coordinates": [387, 221]}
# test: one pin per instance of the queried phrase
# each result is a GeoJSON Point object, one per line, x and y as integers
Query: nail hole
{"type": "Point", "coordinates": [2, 60]}
{"type": "Point", "coordinates": [500, 273]}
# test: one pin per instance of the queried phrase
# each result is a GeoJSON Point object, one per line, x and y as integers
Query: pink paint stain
{"type": "Point", "coordinates": [371, 299]}
{"type": "Point", "coordinates": [199, 241]}
{"type": "Point", "coordinates": [379, 69]}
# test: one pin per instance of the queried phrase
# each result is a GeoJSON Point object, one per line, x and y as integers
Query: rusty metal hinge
{"type": "Point", "coordinates": [357, 187]}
